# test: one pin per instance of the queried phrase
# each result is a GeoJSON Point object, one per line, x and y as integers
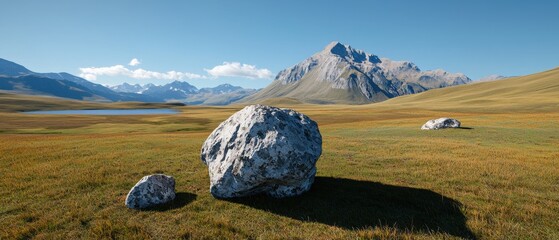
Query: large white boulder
{"type": "Point", "coordinates": [150, 191]}
{"type": "Point", "coordinates": [439, 123]}
{"type": "Point", "coordinates": [262, 149]}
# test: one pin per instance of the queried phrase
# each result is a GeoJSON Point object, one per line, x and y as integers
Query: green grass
{"type": "Point", "coordinates": [379, 176]}
{"type": "Point", "coordinates": [18, 103]}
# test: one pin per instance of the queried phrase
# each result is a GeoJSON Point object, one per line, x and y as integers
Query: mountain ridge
{"type": "Point", "coordinates": [342, 74]}
{"type": "Point", "coordinates": [18, 79]}
{"type": "Point", "coordinates": [184, 92]}
{"type": "Point", "coordinates": [9, 69]}
{"type": "Point", "coordinates": [533, 92]}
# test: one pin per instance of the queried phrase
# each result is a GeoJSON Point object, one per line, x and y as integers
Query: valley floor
{"type": "Point", "coordinates": [379, 177]}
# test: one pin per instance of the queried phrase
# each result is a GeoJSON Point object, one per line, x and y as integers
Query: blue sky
{"type": "Point", "coordinates": [246, 43]}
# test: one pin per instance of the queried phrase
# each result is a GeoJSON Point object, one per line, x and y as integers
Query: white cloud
{"type": "Point", "coordinates": [134, 62]}
{"type": "Point", "coordinates": [236, 69]}
{"type": "Point", "coordinates": [91, 73]}
{"type": "Point", "coordinates": [87, 76]}
{"type": "Point", "coordinates": [227, 69]}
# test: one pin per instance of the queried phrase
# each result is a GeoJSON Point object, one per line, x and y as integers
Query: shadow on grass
{"type": "Point", "coordinates": [181, 199]}
{"type": "Point", "coordinates": [467, 128]}
{"type": "Point", "coordinates": [354, 204]}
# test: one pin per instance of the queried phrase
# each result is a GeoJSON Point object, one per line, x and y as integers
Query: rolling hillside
{"type": "Point", "coordinates": [533, 92]}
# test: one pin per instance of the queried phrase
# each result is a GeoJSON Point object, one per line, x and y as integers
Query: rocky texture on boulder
{"type": "Point", "coordinates": [150, 191]}
{"type": "Point", "coordinates": [435, 124]}
{"type": "Point", "coordinates": [262, 149]}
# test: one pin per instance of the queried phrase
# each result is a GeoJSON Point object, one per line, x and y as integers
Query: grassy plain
{"type": "Point", "coordinates": [379, 176]}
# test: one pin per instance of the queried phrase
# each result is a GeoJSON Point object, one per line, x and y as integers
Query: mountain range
{"type": "Point", "coordinates": [337, 74]}
{"type": "Point", "coordinates": [16, 78]}
{"type": "Point", "coordinates": [342, 74]}
{"type": "Point", "coordinates": [129, 88]}
{"type": "Point", "coordinates": [178, 91]}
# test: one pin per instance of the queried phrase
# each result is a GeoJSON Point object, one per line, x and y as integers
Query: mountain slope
{"type": "Point", "coordinates": [101, 90]}
{"type": "Point", "coordinates": [37, 85]}
{"type": "Point", "coordinates": [341, 74]}
{"type": "Point", "coordinates": [538, 91]}
{"type": "Point", "coordinates": [92, 91]}
{"type": "Point", "coordinates": [11, 69]}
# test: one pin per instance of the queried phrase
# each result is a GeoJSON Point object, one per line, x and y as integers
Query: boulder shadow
{"type": "Point", "coordinates": [353, 204]}
{"type": "Point", "coordinates": [181, 199]}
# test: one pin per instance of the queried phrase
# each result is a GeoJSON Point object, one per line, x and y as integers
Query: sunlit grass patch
{"type": "Point", "coordinates": [379, 176]}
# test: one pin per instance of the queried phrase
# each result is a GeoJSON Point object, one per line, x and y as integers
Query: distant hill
{"type": "Point", "coordinates": [11, 102]}
{"type": "Point", "coordinates": [18, 79]}
{"type": "Point", "coordinates": [535, 92]}
{"type": "Point", "coordinates": [38, 85]}
{"type": "Point", "coordinates": [341, 74]}
{"type": "Point", "coordinates": [11, 69]}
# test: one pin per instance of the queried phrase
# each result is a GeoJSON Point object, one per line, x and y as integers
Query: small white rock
{"type": "Point", "coordinates": [150, 191]}
{"type": "Point", "coordinates": [435, 124]}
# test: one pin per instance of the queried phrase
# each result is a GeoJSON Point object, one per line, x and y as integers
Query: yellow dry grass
{"type": "Point", "coordinates": [379, 176]}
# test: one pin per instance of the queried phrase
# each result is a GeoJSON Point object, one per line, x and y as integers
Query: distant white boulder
{"type": "Point", "coordinates": [150, 191]}
{"type": "Point", "coordinates": [262, 149]}
{"type": "Point", "coordinates": [435, 124]}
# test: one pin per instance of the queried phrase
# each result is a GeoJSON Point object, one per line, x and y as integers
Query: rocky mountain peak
{"type": "Point", "coordinates": [348, 53]}
{"type": "Point", "coordinates": [336, 48]}
{"type": "Point", "coordinates": [342, 74]}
